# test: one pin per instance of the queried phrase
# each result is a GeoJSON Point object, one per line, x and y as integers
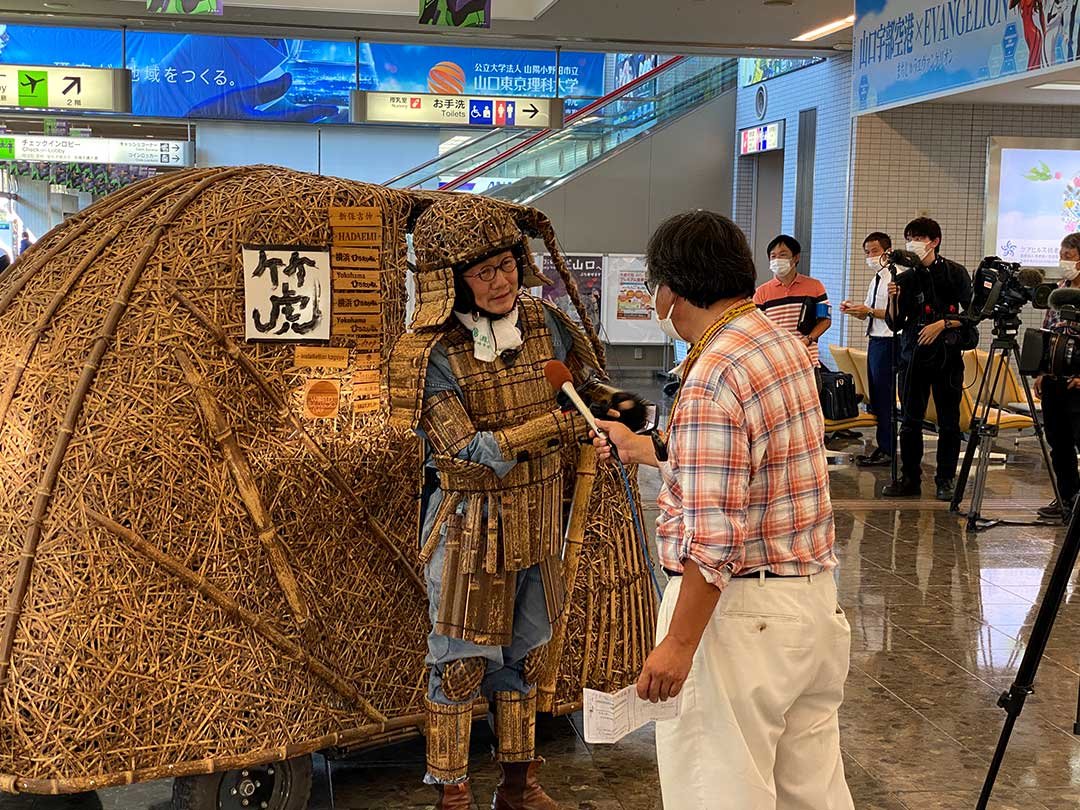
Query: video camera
{"type": "Point", "coordinates": [1055, 352]}
{"type": "Point", "coordinates": [1000, 289]}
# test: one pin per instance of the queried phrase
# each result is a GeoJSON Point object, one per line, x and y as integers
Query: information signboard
{"type": "Point", "coordinates": [64, 149]}
{"type": "Point", "coordinates": [455, 110]}
{"type": "Point", "coordinates": [65, 88]}
{"type": "Point", "coordinates": [764, 138]}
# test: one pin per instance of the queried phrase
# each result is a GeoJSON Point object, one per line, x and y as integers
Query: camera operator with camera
{"type": "Point", "coordinates": [926, 310]}
{"type": "Point", "coordinates": [1060, 396]}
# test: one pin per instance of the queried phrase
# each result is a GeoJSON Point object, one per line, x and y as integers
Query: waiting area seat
{"type": "Point", "coordinates": [844, 362]}
{"type": "Point", "coordinates": [1006, 420]}
{"type": "Point", "coordinates": [1010, 390]}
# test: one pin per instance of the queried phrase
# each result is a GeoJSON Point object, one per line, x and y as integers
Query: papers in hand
{"type": "Point", "coordinates": [609, 718]}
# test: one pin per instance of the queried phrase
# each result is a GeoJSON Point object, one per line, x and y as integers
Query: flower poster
{"type": "Point", "coordinates": [628, 316]}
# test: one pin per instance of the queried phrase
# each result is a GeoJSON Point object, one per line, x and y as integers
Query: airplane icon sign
{"type": "Point", "coordinates": [31, 83]}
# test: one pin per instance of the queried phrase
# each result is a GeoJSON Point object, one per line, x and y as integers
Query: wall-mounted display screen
{"type": "Point", "coordinates": [46, 45]}
{"type": "Point", "coordinates": [1032, 198]}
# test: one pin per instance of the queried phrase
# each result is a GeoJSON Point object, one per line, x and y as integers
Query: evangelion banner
{"type": "Point", "coordinates": [910, 49]}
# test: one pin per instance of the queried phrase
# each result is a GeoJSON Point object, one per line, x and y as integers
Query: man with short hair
{"type": "Point", "coordinates": [1061, 400]}
{"type": "Point", "coordinates": [927, 312]}
{"type": "Point", "coordinates": [794, 301]}
{"type": "Point", "coordinates": [881, 348]}
{"type": "Point", "coordinates": [749, 627]}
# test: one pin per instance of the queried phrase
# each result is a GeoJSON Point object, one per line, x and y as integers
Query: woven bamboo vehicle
{"type": "Point", "coordinates": [200, 579]}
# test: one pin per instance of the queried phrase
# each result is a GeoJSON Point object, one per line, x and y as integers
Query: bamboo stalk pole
{"type": "Point", "coordinates": [44, 491]}
{"type": "Point", "coordinates": [239, 614]}
{"type": "Point", "coordinates": [326, 464]}
{"type": "Point", "coordinates": [245, 483]}
{"type": "Point", "coordinates": [14, 377]}
{"type": "Point", "coordinates": [31, 262]}
{"type": "Point", "coordinates": [584, 481]}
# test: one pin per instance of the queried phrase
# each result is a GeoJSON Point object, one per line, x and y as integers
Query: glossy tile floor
{"type": "Point", "coordinates": [939, 620]}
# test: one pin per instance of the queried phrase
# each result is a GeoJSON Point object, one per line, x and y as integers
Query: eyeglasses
{"type": "Point", "coordinates": [487, 274]}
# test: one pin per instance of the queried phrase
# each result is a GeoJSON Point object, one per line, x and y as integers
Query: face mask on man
{"type": "Point", "coordinates": [920, 249]}
{"type": "Point", "coordinates": [874, 262]}
{"type": "Point", "coordinates": [1069, 270]}
{"type": "Point", "coordinates": [667, 326]}
{"type": "Point", "coordinates": [781, 268]}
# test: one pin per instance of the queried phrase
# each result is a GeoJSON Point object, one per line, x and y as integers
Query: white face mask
{"type": "Point", "coordinates": [667, 326]}
{"type": "Point", "coordinates": [920, 249]}
{"type": "Point", "coordinates": [1069, 270]}
{"type": "Point", "coordinates": [781, 268]}
{"type": "Point", "coordinates": [873, 262]}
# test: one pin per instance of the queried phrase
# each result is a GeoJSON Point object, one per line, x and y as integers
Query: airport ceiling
{"type": "Point", "coordinates": [735, 27]}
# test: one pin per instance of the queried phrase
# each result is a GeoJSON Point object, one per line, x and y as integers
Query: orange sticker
{"type": "Point", "coordinates": [321, 399]}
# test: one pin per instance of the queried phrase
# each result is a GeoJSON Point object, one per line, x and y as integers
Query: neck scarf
{"type": "Point", "coordinates": [491, 338]}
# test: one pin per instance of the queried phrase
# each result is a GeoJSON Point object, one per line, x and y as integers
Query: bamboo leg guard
{"type": "Point", "coordinates": [515, 726]}
{"type": "Point", "coordinates": [448, 729]}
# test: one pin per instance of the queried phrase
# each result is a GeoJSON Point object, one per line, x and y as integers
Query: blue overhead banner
{"type": "Point", "coordinates": [46, 45]}
{"type": "Point", "coordinates": [248, 78]}
{"type": "Point", "coordinates": [905, 50]}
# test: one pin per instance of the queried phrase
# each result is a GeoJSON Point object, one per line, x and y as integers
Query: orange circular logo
{"type": "Point", "coordinates": [322, 399]}
{"type": "Point", "coordinates": [447, 79]}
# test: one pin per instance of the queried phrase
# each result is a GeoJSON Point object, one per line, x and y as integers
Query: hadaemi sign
{"type": "Point", "coordinates": [456, 13]}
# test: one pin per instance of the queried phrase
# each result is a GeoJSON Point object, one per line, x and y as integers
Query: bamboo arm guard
{"type": "Point", "coordinates": [549, 430]}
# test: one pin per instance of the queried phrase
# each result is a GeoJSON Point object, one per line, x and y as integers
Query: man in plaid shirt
{"type": "Point", "coordinates": [749, 630]}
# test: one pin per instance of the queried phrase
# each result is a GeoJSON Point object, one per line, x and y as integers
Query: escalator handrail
{"type": "Point", "coordinates": [614, 95]}
{"type": "Point", "coordinates": [472, 142]}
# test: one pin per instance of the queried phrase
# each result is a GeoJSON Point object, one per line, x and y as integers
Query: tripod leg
{"type": "Point", "coordinates": [1037, 424]}
{"type": "Point", "coordinates": [1024, 684]}
{"type": "Point", "coordinates": [985, 428]}
{"type": "Point", "coordinates": [974, 440]}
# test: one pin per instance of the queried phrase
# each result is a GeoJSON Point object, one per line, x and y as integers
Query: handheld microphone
{"type": "Point", "coordinates": [904, 258]}
{"type": "Point", "coordinates": [560, 378]}
{"type": "Point", "coordinates": [1065, 297]}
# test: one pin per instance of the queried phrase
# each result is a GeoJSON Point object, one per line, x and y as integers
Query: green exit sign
{"type": "Point", "coordinates": [7, 148]}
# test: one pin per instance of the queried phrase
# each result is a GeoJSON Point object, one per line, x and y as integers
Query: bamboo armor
{"type": "Point", "coordinates": [515, 726]}
{"type": "Point", "coordinates": [448, 729]}
{"type": "Point", "coordinates": [508, 524]}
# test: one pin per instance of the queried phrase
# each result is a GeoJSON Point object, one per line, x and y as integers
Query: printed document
{"type": "Point", "coordinates": [609, 718]}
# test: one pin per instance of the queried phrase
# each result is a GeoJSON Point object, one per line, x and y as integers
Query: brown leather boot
{"type": "Point", "coordinates": [519, 790]}
{"type": "Point", "coordinates": [454, 797]}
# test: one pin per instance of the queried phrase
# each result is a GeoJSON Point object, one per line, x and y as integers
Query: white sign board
{"type": "Point", "coordinates": [286, 293]}
{"type": "Point", "coordinates": [69, 149]}
{"type": "Point", "coordinates": [65, 88]}
{"type": "Point", "coordinates": [457, 111]}
{"type": "Point", "coordinates": [764, 138]}
{"type": "Point", "coordinates": [627, 304]}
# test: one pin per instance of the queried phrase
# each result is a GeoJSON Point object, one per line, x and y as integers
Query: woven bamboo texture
{"type": "Point", "coordinates": [197, 577]}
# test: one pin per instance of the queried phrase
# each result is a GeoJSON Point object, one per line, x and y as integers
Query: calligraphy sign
{"type": "Point", "coordinates": [286, 293]}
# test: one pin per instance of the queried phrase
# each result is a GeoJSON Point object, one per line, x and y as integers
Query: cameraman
{"type": "Point", "coordinates": [926, 311]}
{"type": "Point", "coordinates": [1061, 400]}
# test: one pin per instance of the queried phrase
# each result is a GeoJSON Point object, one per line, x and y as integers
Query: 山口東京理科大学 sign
{"type": "Point", "coordinates": [65, 88]}
{"type": "Point", "coordinates": [455, 110]}
{"type": "Point", "coordinates": [905, 50]}
{"type": "Point", "coordinates": [69, 149]}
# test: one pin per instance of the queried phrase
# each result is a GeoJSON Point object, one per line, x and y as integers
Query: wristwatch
{"type": "Point", "coordinates": [659, 445]}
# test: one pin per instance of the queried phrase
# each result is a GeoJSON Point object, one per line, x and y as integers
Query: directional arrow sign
{"type": "Point", "coordinates": [71, 89]}
{"type": "Point", "coordinates": [450, 110]}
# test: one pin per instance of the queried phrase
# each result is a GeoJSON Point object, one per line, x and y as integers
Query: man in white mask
{"type": "Point", "coordinates": [881, 350]}
{"type": "Point", "coordinates": [927, 312]}
{"type": "Point", "coordinates": [794, 301]}
{"type": "Point", "coordinates": [1061, 400]}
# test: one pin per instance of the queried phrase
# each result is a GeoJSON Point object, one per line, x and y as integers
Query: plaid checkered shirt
{"type": "Point", "coordinates": [746, 485]}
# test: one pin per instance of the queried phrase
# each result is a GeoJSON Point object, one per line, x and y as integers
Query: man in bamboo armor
{"type": "Point", "coordinates": [471, 374]}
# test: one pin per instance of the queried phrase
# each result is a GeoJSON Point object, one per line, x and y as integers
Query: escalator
{"type": "Point", "coordinates": [521, 166]}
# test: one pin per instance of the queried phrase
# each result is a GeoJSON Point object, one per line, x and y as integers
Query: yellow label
{"type": "Point", "coordinates": [366, 377]}
{"type": "Point", "coordinates": [347, 256]}
{"type": "Point", "coordinates": [355, 215]}
{"type": "Point", "coordinates": [321, 357]}
{"type": "Point", "coordinates": [358, 236]}
{"type": "Point", "coordinates": [347, 302]}
{"type": "Point", "coordinates": [369, 281]}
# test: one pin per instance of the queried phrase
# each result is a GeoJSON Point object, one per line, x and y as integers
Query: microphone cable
{"type": "Point", "coordinates": [639, 528]}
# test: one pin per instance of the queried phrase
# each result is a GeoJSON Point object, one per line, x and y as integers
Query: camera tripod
{"type": "Point", "coordinates": [1012, 701]}
{"type": "Point", "coordinates": [1003, 350]}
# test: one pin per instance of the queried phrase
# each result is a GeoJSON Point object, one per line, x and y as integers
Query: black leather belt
{"type": "Point", "coordinates": [755, 574]}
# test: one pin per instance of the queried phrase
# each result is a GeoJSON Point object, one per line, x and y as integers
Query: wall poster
{"type": "Point", "coordinates": [286, 292]}
{"type": "Point", "coordinates": [628, 315]}
{"type": "Point", "coordinates": [588, 271]}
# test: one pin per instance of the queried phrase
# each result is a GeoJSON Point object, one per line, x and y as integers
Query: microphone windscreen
{"type": "Point", "coordinates": [1030, 276]}
{"type": "Point", "coordinates": [557, 374]}
{"type": "Point", "coordinates": [904, 258]}
{"type": "Point", "coordinates": [1065, 297]}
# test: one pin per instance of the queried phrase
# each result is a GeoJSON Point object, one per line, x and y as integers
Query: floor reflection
{"type": "Point", "coordinates": [939, 619]}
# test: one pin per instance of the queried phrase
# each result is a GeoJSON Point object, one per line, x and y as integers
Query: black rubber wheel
{"type": "Point", "coordinates": [277, 786]}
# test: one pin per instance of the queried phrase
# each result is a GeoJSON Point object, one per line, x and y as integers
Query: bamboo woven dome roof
{"type": "Point", "coordinates": [197, 576]}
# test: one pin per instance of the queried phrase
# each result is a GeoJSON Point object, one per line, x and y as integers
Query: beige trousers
{"type": "Point", "coordinates": [759, 727]}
